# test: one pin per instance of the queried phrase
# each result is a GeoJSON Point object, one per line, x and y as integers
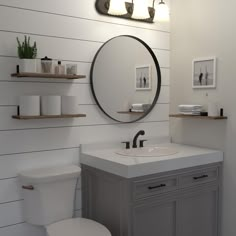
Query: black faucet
{"type": "Point", "coordinates": [141, 132]}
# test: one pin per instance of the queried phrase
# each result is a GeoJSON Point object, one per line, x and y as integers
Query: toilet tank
{"type": "Point", "coordinates": [49, 193]}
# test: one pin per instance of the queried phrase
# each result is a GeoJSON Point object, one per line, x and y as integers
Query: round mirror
{"type": "Point", "coordinates": [125, 78]}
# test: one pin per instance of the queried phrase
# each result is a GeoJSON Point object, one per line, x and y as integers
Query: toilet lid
{"type": "Point", "coordinates": [77, 227]}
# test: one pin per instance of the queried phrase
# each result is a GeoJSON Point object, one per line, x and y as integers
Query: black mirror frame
{"type": "Point", "coordinates": [158, 77]}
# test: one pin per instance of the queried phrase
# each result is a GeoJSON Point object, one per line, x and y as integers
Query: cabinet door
{"type": "Point", "coordinates": [197, 214]}
{"type": "Point", "coordinates": [155, 219]}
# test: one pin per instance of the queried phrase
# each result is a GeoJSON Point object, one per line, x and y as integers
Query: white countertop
{"type": "Point", "coordinates": [103, 157]}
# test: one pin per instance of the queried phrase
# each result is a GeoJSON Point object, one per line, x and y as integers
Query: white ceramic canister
{"type": "Point", "coordinates": [29, 105]}
{"type": "Point", "coordinates": [69, 105]}
{"type": "Point", "coordinates": [50, 105]}
{"type": "Point", "coordinates": [46, 65]}
{"type": "Point", "coordinates": [212, 109]}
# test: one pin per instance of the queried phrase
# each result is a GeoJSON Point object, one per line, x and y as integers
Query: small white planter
{"type": "Point", "coordinates": [212, 109]}
{"type": "Point", "coordinates": [28, 65]}
{"type": "Point", "coordinates": [51, 105]}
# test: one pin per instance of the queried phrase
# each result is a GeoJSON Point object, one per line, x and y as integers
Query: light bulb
{"type": "Point", "coordinates": [162, 12]}
{"type": "Point", "coordinates": [117, 7]}
{"type": "Point", "coordinates": [140, 10]}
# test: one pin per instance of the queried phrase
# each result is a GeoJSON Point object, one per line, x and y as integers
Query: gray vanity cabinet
{"type": "Point", "coordinates": [198, 213]}
{"type": "Point", "coordinates": [176, 203]}
{"type": "Point", "coordinates": [154, 218]}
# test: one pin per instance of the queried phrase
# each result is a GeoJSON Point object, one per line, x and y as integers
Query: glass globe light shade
{"type": "Point", "coordinates": [162, 12]}
{"type": "Point", "coordinates": [117, 7]}
{"type": "Point", "coordinates": [140, 10]}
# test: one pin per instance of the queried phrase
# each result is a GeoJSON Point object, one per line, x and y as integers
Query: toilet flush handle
{"type": "Point", "coordinates": [29, 187]}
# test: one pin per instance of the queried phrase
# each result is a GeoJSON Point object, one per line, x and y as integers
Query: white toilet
{"type": "Point", "coordinates": [49, 201]}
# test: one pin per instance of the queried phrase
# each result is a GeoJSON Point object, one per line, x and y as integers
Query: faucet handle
{"type": "Point", "coordinates": [127, 144]}
{"type": "Point", "coordinates": [141, 142]}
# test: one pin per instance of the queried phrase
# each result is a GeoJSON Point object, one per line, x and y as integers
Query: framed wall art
{"type": "Point", "coordinates": [143, 77]}
{"type": "Point", "coordinates": [204, 73]}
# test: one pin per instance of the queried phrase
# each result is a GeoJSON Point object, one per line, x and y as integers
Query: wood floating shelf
{"type": "Point", "coordinates": [199, 117]}
{"type": "Point", "coordinates": [131, 112]}
{"type": "Point", "coordinates": [49, 76]}
{"type": "Point", "coordinates": [19, 117]}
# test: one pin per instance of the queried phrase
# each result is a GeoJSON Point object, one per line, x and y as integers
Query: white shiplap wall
{"type": "Point", "coordinates": [71, 31]}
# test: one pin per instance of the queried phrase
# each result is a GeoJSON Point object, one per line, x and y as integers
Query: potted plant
{"type": "Point", "coordinates": [27, 54]}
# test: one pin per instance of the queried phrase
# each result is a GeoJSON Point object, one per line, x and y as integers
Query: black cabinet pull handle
{"type": "Point", "coordinates": [158, 186]}
{"type": "Point", "coordinates": [29, 187]}
{"type": "Point", "coordinates": [200, 177]}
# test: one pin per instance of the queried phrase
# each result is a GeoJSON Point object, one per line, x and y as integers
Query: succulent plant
{"type": "Point", "coordinates": [25, 50]}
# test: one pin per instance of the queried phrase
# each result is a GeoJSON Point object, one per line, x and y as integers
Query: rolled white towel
{"type": "Point", "coordinates": [137, 106]}
{"type": "Point", "coordinates": [189, 106]}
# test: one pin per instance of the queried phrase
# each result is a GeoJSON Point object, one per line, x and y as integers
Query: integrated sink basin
{"type": "Point", "coordinates": [158, 156]}
{"type": "Point", "coordinates": [147, 152]}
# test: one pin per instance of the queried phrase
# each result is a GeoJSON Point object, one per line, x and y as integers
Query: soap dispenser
{"type": "Point", "coordinates": [60, 69]}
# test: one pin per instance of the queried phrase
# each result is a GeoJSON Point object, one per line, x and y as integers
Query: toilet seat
{"type": "Point", "coordinates": [77, 227]}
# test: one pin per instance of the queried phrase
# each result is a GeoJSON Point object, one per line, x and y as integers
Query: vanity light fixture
{"type": "Point", "coordinates": [136, 10]}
